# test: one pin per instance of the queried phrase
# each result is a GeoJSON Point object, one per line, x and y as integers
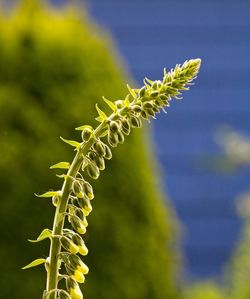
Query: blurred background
{"type": "Point", "coordinates": [181, 185]}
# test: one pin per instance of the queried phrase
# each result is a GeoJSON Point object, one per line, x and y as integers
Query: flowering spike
{"type": "Point", "coordinates": [73, 200]}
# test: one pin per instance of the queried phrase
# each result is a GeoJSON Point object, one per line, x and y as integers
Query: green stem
{"type": "Point", "coordinates": [55, 246]}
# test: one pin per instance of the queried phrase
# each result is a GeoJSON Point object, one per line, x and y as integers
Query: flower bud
{"type": "Point", "coordinates": [73, 288]}
{"type": "Point", "coordinates": [142, 91]}
{"type": "Point", "coordinates": [114, 126]}
{"type": "Point", "coordinates": [159, 84]}
{"type": "Point", "coordinates": [156, 109]}
{"type": "Point", "coordinates": [108, 153]}
{"type": "Point", "coordinates": [85, 205]}
{"type": "Point", "coordinates": [93, 170]}
{"type": "Point", "coordinates": [136, 108]}
{"type": "Point", "coordinates": [77, 188]}
{"type": "Point", "coordinates": [63, 295]}
{"type": "Point", "coordinates": [151, 112]}
{"type": "Point", "coordinates": [55, 200]}
{"type": "Point", "coordinates": [112, 139]}
{"type": "Point", "coordinates": [164, 98]}
{"type": "Point", "coordinates": [47, 264]}
{"type": "Point", "coordinates": [148, 105]}
{"type": "Point", "coordinates": [92, 155]}
{"type": "Point", "coordinates": [77, 264]}
{"type": "Point", "coordinates": [125, 126]}
{"type": "Point", "coordinates": [154, 94]}
{"type": "Point", "coordinates": [144, 115]}
{"type": "Point", "coordinates": [88, 190]}
{"type": "Point", "coordinates": [100, 163]}
{"type": "Point", "coordinates": [78, 276]}
{"type": "Point", "coordinates": [99, 148]}
{"type": "Point", "coordinates": [83, 250]}
{"type": "Point", "coordinates": [119, 104]}
{"type": "Point", "coordinates": [135, 122]}
{"type": "Point", "coordinates": [79, 213]}
{"type": "Point", "coordinates": [154, 85]}
{"type": "Point", "coordinates": [86, 134]}
{"type": "Point", "coordinates": [76, 293]}
{"type": "Point", "coordinates": [50, 294]}
{"type": "Point", "coordinates": [120, 137]}
{"type": "Point", "coordinates": [77, 225]}
{"type": "Point", "coordinates": [68, 245]}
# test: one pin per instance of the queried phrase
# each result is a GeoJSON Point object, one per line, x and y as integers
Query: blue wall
{"type": "Point", "coordinates": [153, 34]}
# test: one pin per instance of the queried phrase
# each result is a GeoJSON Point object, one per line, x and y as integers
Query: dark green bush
{"type": "Point", "coordinates": [53, 67]}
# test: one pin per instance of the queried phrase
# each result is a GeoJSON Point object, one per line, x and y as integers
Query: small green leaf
{"type": "Point", "coordinates": [146, 84]}
{"type": "Point", "coordinates": [71, 142]}
{"type": "Point", "coordinates": [110, 104]}
{"type": "Point", "coordinates": [35, 263]}
{"type": "Point", "coordinates": [126, 101]}
{"type": "Point", "coordinates": [46, 233]}
{"type": "Point", "coordinates": [149, 81]}
{"type": "Point", "coordinates": [99, 119]}
{"type": "Point", "coordinates": [104, 133]}
{"type": "Point", "coordinates": [48, 194]}
{"type": "Point", "coordinates": [81, 128]}
{"type": "Point", "coordinates": [62, 176]}
{"type": "Point", "coordinates": [61, 165]}
{"type": "Point", "coordinates": [132, 92]}
{"type": "Point", "coordinates": [101, 113]}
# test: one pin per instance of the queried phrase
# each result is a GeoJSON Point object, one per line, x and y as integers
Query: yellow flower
{"type": "Point", "coordinates": [83, 268]}
{"type": "Point", "coordinates": [83, 250]}
{"type": "Point", "coordinates": [76, 293]}
{"type": "Point", "coordinates": [79, 277]}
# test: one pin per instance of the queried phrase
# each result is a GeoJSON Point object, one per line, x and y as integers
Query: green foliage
{"type": "Point", "coordinates": [204, 290]}
{"type": "Point", "coordinates": [53, 67]}
{"type": "Point", "coordinates": [238, 270]}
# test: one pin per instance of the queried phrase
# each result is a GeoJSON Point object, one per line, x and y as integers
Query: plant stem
{"type": "Point", "coordinates": [55, 246]}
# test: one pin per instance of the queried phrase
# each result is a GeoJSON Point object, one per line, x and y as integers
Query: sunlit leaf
{"type": "Point", "coordinates": [35, 263]}
{"type": "Point", "coordinates": [110, 104]}
{"type": "Point", "coordinates": [99, 119]}
{"type": "Point", "coordinates": [61, 165]}
{"type": "Point", "coordinates": [102, 115]}
{"type": "Point", "coordinates": [132, 92]}
{"type": "Point", "coordinates": [48, 194]}
{"type": "Point", "coordinates": [81, 128]}
{"type": "Point", "coordinates": [71, 142]}
{"type": "Point", "coordinates": [126, 101]}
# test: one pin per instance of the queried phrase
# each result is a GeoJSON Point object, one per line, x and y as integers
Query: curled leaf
{"type": "Point", "coordinates": [48, 194]}
{"type": "Point", "coordinates": [102, 115]}
{"type": "Point", "coordinates": [46, 233]}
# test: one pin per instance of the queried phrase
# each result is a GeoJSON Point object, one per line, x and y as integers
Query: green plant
{"type": "Point", "coordinates": [73, 200]}
{"type": "Point", "coordinates": [204, 290]}
{"type": "Point", "coordinates": [54, 65]}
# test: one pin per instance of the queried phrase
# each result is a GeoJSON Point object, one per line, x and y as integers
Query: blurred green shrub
{"type": "Point", "coordinates": [238, 270]}
{"type": "Point", "coordinates": [54, 65]}
{"type": "Point", "coordinates": [204, 290]}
